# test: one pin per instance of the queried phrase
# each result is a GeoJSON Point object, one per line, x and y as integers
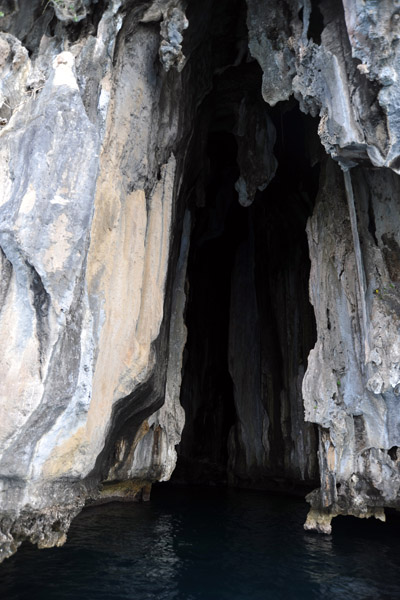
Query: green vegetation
{"type": "Point", "coordinates": [385, 290]}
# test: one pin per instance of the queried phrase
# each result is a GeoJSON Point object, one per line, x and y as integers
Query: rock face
{"type": "Point", "coordinates": [351, 385]}
{"type": "Point", "coordinates": [89, 178]}
{"type": "Point", "coordinates": [156, 179]}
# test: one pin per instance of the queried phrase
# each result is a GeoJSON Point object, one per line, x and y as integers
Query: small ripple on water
{"type": "Point", "coordinates": [208, 545]}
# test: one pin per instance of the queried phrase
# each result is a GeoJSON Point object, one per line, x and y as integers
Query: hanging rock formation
{"type": "Point", "coordinates": [149, 145]}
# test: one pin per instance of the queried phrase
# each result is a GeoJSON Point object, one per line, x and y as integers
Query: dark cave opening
{"type": "Point", "coordinates": [316, 24]}
{"type": "Point", "coordinates": [250, 323]}
{"type": "Point", "coordinates": [207, 386]}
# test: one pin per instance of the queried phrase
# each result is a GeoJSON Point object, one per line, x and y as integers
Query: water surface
{"type": "Point", "coordinates": [209, 544]}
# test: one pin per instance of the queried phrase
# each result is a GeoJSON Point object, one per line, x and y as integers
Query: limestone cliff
{"type": "Point", "coordinates": [89, 178]}
{"type": "Point", "coordinates": [156, 179]}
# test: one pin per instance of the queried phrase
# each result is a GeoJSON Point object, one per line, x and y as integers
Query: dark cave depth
{"type": "Point", "coordinates": [250, 323]}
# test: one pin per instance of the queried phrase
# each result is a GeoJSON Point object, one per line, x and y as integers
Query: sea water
{"type": "Point", "coordinates": [209, 544]}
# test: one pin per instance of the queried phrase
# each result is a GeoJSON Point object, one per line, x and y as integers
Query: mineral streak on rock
{"type": "Point", "coordinates": [83, 292]}
{"type": "Point", "coordinates": [105, 108]}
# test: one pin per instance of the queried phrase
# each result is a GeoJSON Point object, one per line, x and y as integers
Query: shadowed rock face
{"type": "Point", "coordinates": [250, 324]}
{"type": "Point", "coordinates": [156, 178]}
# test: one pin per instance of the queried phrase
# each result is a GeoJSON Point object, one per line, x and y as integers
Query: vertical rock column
{"type": "Point", "coordinates": [352, 382]}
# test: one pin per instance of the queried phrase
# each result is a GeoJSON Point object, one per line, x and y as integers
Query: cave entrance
{"type": "Point", "coordinates": [253, 176]}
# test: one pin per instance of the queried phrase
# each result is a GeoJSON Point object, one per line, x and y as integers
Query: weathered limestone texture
{"type": "Point", "coordinates": [89, 179]}
{"type": "Point", "coordinates": [323, 73]}
{"type": "Point", "coordinates": [152, 456]}
{"type": "Point", "coordinates": [71, 10]}
{"type": "Point", "coordinates": [341, 62]}
{"type": "Point", "coordinates": [352, 382]}
{"type": "Point", "coordinates": [107, 109]}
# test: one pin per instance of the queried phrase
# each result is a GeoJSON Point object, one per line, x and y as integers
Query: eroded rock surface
{"type": "Point", "coordinates": [350, 386]}
{"type": "Point", "coordinates": [108, 111]}
{"type": "Point", "coordinates": [87, 205]}
{"type": "Point", "coordinates": [343, 67]}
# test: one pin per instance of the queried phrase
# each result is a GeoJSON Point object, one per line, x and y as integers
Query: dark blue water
{"type": "Point", "coordinates": [196, 544]}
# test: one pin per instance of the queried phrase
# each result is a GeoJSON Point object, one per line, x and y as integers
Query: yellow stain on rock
{"type": "Point", "coordinates": [331, 458]}
{"type": "Point", "coordinates": [62, 459]}
{"type": "Point", "coordinates": [59, 244]}
{"type": "Point", "coordinates": [126, 273]}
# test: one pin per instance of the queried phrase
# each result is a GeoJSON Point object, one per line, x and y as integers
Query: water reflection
{"type": "Point", "coordinates": [163, 565]}
{"type": "Point", "coordinates": [208, 545]}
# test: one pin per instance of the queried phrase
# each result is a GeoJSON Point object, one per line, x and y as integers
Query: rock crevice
{"type": "Point", "coordinates": [171, 190]}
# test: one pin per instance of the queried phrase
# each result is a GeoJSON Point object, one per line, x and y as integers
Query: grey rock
{"type": "Point", "coordinates": [96, 122]}
{"type": "Point", "coordinates": [348, 389]}
{"type": "Point", "coordinates": [173, 23]}
{"type": "Point", "coordinates": [171, 28]}
{"type": "Point", "coordinates": [269, 33]}
{"type": "Point", "coordinates": [70, 10]}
